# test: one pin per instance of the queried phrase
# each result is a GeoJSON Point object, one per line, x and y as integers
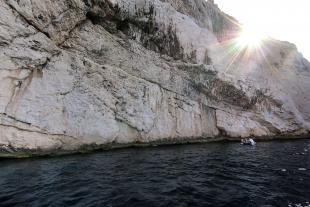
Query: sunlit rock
{"type": "Point", "coordinates": [87, 74]}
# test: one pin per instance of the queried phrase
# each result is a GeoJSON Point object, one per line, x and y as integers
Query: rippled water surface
{"type": "Point", "coordinates": [218, 174]}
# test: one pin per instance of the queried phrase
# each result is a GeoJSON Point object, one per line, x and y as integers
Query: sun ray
{"type": "Point", "coordinates": [250, 37]}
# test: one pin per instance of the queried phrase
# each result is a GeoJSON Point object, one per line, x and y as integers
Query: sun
{"type": "Point", "coordinates": [250, 37]}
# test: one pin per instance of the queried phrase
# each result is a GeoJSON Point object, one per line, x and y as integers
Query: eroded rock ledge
{"type": "Point", "coordinates": [95, 73]}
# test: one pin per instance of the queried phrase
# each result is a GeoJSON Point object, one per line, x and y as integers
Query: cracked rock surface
{"type": "Point", "coordinates": [78, 74]}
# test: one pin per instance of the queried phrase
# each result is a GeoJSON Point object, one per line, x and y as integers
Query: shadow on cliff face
{"type": "Point", "coordinates": [207, 15]}
{"type": "Point", "coordinates": [207, 82]}
{"type": "Point", "coordinates": [142, 27]}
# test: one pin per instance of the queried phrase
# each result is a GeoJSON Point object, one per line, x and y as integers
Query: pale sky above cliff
{"type": "Point", "coordinates": [284, 20]}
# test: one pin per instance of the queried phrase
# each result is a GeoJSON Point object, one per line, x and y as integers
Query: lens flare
{"type": "Point", "coordinates": [250, 37]}
{"type": "Point", "coordinates": [247, 45]}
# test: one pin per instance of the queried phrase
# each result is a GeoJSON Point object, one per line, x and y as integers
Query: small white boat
{"type": "Point", "coordinates": [248, 141]}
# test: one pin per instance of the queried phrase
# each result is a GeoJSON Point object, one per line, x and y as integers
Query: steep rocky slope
{"type": "Point", "coordinates": [86, 74]}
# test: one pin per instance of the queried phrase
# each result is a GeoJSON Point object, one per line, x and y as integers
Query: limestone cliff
{"type": "Point", "coordinates": [92, 73]}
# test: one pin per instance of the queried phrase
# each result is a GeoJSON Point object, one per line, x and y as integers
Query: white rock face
{"type": "Point", "coordinates": [78, 74]}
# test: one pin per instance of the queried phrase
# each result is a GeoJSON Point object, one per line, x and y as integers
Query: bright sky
{"type": "Point", "coordinates": [281, 19]}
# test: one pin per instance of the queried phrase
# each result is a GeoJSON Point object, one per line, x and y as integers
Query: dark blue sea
{"type": "Point", "coordinates": [273, 173]}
